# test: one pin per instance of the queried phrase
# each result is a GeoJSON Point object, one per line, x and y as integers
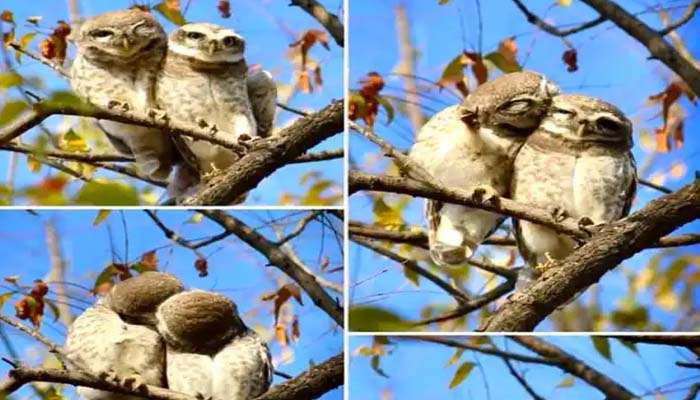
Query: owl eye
{"type": "Point", "coordinates": [563, 111]}
{"type": "Point", "coordinates": [608, 124]}
{"type": "Point", "coordinates": [231, 41]}
{"type": "Point", "coordinates": [517, 106]}
{"type": "Point", "coordinates": [195, 35]}
{"type": "Point", "coordinates": [101, 33]}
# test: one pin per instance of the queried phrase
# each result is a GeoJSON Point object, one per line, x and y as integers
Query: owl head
{"type": "Point", "coordinates": [121, 36]}
{"type": "Point", "coordinates": [198, 321]}
{"type": "Point", "coordinates": [137, 299]}
{"type": "Point", "coordinates": [513, 103]}
{"type": "Point", "coordinates": [207, 43]}
{"type": "Point", "coordinates": [582, 118]}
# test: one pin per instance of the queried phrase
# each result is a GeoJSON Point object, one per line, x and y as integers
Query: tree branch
{"type": "Point", "coordinates": [279, 259]}
{"type": "Point", "coordinates": [553, 30]}
{"type": "Point", "coordinates": [687, 15]}
{"type": "Point", "coordinates": [576, 367]}
{"type": "Point", "coordinates": [319, 156]}
{"type": "Point", "coordinates": [329, 21]}
{"type": "Point", "coordinates": [609, 246]}
{"type": "Point", "coordinates": [272, 154]}
{"type": "Point", "coordinates": [311, 384]}
{"type": "Point", "coordinates": [521, 380]}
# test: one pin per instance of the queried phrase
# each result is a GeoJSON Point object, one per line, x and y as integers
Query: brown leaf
{"type": "Point", "coordinates": [54, 184]}
{"type": "Point", "coordinates": [47, 48]}
{"type": "Point", "coordinates": [32, 306]}
{"type": "Point", "coordinates": [662, 140]}
{"type": "Point", "coordinates": [224, 7]}
{"type": "Point", "coordinates": [149, 261]}
{"type": "Point", "coordinates": [481, 73]}
{"type": "Point", "coordinates": [318, 81]}
{"type": "Point", "coordinates": [308, 39]}
{"type": "Point", "coordinates": [281, 335]}
{"type": "Point", "coordinates": [202, 266]}
{"type": "Point", "coordinates": [296, 333]}
{"type": "Point", "coordinates": [365, 103]}
{"type": "Point", "coordinates": [13, 279]}
{"type": "Point", "coordinates": [508, 49]}
{"type": "Point", "coordinates": [570, 58]}
{"type": "Point", "coordinates": [6, 16]}
{"type": "Point", "coordinates": [39, 290]}
{"type": "Point", "coordinates": [282, 295]}
{"type": "Point", "coordinates": [303, 82]}
{"type": "Point", "coordinates": [172, 5]}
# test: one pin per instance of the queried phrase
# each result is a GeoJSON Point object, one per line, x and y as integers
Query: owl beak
{"type": "Point", "coordinates": [126, 43]}
{"type": "Point", "coordinates": [213, 47]}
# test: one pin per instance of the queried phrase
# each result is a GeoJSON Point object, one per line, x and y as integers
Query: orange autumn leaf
{"type": "Point", "coordinates": [224, 7]}
{"type": "Point", "coordinates": [308, 39]}
{"type": "Point", "coordinates": [31, 307]}
{"type": "Point", "coordinates": [508, 49]}
{"type": "Point", "coordinates": [365, 102]}
{"type": "Point", "coordinates": [673, 122]}
{"type": "Point", "coordinates": [282, 295]}
{"type": "Point", "coordinates": [281, 334]}
{"type": "Point", "coordinates": [149, 261]}
{"type": "Point", "coordinates": [570, 58]}
{"type": "Point", "coordinates": [53, 184]}
{"type": "Point", "coordinates": [7, 16]}
{"type": "Point", "coordinates": [662, 140]}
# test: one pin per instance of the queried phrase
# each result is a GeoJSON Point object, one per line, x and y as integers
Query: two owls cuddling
{"type": "Point", "coordinates": [197, 77]}
{"type": "Point", "coordinates": [148, 330]}
{"type": "Point", "coordinates": [517, 136]}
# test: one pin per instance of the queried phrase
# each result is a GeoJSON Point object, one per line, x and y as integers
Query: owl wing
{"type": "Point", "coordinates": [190, 373]}
{"type": "Point", "coordinates": [262, 93]}
{"type": "Point", "coordinates": [632, 188]}
{"type": "Point", "coordinates": [242, 369]}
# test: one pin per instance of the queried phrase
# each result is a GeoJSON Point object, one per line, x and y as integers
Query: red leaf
{"type": "Point", "coordinates": [224, 8]}
{"type": "Point", "coordinates": [202, 267]}
{"type": "Point", "coordinates": [570, 58]}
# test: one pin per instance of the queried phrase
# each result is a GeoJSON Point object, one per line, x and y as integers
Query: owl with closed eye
{"type": "Point", "coordinates": [204, 81]}
{"type": "Point", "coordinates": [472, 146]}
{"type": "Point", "coordinates": [579, 164]}
{"type": "Point", "coordinates": [118, 57]}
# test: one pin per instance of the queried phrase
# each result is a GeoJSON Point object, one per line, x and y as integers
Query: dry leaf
{"type": "Point", "coordinates": [570, 58]}
{"type": "Point", "coordinates": [224, 8]}
{"type": "Point", "coordinates": [202, 267]}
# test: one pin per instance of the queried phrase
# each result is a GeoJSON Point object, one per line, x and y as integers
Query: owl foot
{"type": "Point", "coordinates": [122, 106]}
{"type": "Point", "coordinates": [586, 224]}
{"type": "Point", "coordinates": [158, 114]}
{"type": "Point", "coordinates": [134, 382]}
{"type": "Point", "coordinates": [557, 213]}
{"type": "Point", "coordinates": [200, 396]}
{"type": "Point", "coordinates": [542, 267]}
{"type": "Point", "coordinates": [485, 195]}
{"type": "Point", "coordinates": [202, 123]}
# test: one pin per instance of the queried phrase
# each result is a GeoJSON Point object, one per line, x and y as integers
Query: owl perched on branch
{"type": "Point", "coordinates": [211, 354]}
{"type": "Point", "coordinates": [472, 146]}
{"type": "Point", "coordinates": [205, 81]}
{"type": "Point", "coordinates": [115, 339]}
{"type": "Point", "coordinates": [579, 164]}
{"type": "Point", "coordinates": [119, 55]}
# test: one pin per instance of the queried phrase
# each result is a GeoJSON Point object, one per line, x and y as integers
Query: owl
{"type": "Point", "coordinates": [118, 56]}
{"type": "Point", "coordinates": [578, 163]}
{"type": "Point", "coordinates": [262, 92]}
{"type": "Point", "coordinates": [472, 146]}
{"type": "Point", "coordinates": [116, 338]}
{"type": "Point", "coordinates": [210, 352]}
{"type": "Point", "coordinates": [204, 81]}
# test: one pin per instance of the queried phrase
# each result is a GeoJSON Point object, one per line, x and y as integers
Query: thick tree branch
{"type": "Point", "coordinates": [311, 384]}
{"type": "Point", "coordinates": [329, 21]}
{"type": "Point", "coordinates": [611, 244]}
{"type": "Point", "coordinates": [274, 153]}
{"type": "Point", "coordinates": [576, 367]}
{"type": "Point", "coordinates": [651, 39]}
{"type": "Point", "coordinates": [87, 157]}
{"type": "Point", "coordinates": [501, 205]}
{"type": "Point", "coordinates": [279, 259]}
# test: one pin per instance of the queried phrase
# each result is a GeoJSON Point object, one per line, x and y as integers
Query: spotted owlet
{"type": "Point", "coordinates": [211, 354]}
{"type": "Point", "coordinates": [577, 163]}
{"type": "Point", "coordinates": [472, 146]}
{"type": "Point", "coordinates": [119, 54]}
{"type": "Point", "coordinates": [204, 81]}
{"type": "Point", "coordinates": [116, 338]}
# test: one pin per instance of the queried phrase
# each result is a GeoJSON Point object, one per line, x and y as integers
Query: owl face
{"type": "Point", "coordinates": [586, 119]}
{"type": "Point", "coordinates": [120, 36]}
{"type": "Point", "coordinates": [513, 104]}
{"type": "Point", "coordinates": [208, 43]}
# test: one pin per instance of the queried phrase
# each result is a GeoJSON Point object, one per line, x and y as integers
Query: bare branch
{"type": "Point", "coordinates": [521, 380]}
{"type": "Point", "coordinates": [170, 234]}
{"type": "Point", "coordinates": [610, 245]}
{"type": "Point", "coordinates": [319, 156]}
{"type": "Point", "coordinates": [279, 259]}
{"type": "Point", "coordinates": [53, 348]}
{"type": "Point", "coordinates": [693, 392]}
{"type": "Point", "coordinates": [87, 157]}
{"type": "Point", "coordinates": [406, 67]}
{"type": "Point", "coordinates": [553, 30]}
{"type": "Point", "coordinates": [687, 15]}
{"type": "Point", "coordinates": [329, 21]}
{"type": "Point", "coordinates": [576, 367]}
{"type": "Point", "coordinates": [299, 228]}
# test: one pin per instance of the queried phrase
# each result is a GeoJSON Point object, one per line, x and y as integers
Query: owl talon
{"type": "Point", "coordinates": [202, 123]}
{"type": "Point", "coordinates": [155, 113]}
{"type": "Point", "coordinates": [213, 130]}
{"type": "Point", "coordinates": [543, 267]}
{"type": "Point", "coordinates": [558, 214]}
{"type": "Point", "coordinates": [485, 195]}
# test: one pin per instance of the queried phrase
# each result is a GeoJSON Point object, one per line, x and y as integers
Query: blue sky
{"type": "Point", "coordinates": [418, 370]}
{"type": "Point", "coordinates": [612, 66]}
{"type": "Point", "coordinates": [269, 27]}
{"type": "Point", "coordinates": [235, 270]}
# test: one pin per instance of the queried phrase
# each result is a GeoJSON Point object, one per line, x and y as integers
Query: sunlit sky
{"type": "Point", "coordinates": [419, 370]}
{"type": "Point", "coordinates": [612, 66]}
{"type": "Point", "coordinates": [269, 27]}
{"type": "Point", "coordinates": [235, 270]}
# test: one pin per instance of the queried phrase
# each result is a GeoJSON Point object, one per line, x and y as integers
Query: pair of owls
{"type": "Point", "coordinates": [198, 76]}
{"type": "Point", "coordinates": [149, 331]}
{"type": "Point", "coordinates": [517, 136]}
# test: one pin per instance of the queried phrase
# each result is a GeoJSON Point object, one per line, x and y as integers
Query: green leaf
{"type": "Point", "coordinates": [10, 79]}
{"type": "Point", "coordinates": [455, 357]}
{"type": "Point", "coordinates": [453, 72]}
{"type": "Point", "coordinates": [101, 216]}
{"type": "Point", "coordinates": [375, 319]}
{"type": "Point", "coordinates": [567, 382]}
{"type": "Point", "coordinates": [461, 374]}
{"type": "Point", "coordinates": [443, 2]}
{"type": "Point", "coordinates": [630, 345]}
{"type": "Point", "coordinates": [412, 276]}
{"type": "Point", "coordinates": [602, 346]}
{"type": "Point", "coordinates": [388, 108]}
{"type": "Point", "coordinates": [171, 15]}
{"type": "Point", "coordinates": [54, 309]}
{"type": "Point", "coordinates": [4, 297]}
{"type": "Point", "coordinates": [374, 362]}
{"type": "Point", "coordinates": [107, 193]}
{"type": "Point", "coordinates": [23, 43]}
{"type": "Point", "coordinates": [10, 111]}
{"type": "Point", "coordinates": [63, 99]}
{"type": "Point", "coordinates": [502, 63]}
{"type": "Point", "coordinates": [195, 218]}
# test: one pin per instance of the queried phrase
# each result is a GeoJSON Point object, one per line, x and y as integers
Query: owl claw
{"type": "Point", "coordinates": [200, 396]}
{"type": "Point", "coordinates": [542, 267]}
{"type": "Point", "coordinates": [558, 214]}
{"type": "Point", "coordinates": [213, 130]}
{"type": "Point", "coordinates": [134, 382]}
{"type": "Point", "coordinates": [156, 113]}
{"type": "Point", "coordinates": [202, 123]}
{"type": "Point", "coordinates": [485, 195]}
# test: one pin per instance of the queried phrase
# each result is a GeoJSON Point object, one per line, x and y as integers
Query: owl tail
{"type": "Point", "coordinates": [448, 244]}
